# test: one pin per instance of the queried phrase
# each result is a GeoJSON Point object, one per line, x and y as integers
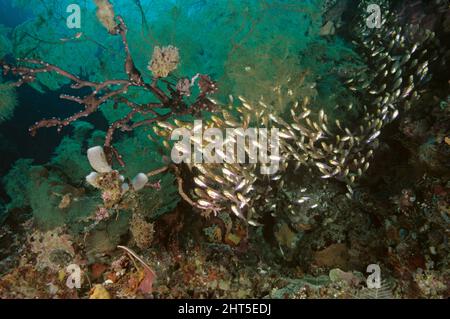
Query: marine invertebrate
{"type": "Point", "coordinates": [97, 159]}
{"type": "Point", "coordinates": [111, 185]}
{"type": "Point", "coordinates": [139, 181]}
{"type": "Point", "coordinates": [109, 181]}
{"type": "Point", "coordinates": [115, 91]}
{"type": "Point", "coordinates": [27, 184]}
{"type": "Point", "coordinates": [101, 214]}
{"type": "Point", "coordinates": [105, 14]}
{"type": "Point", "coordinates": [312, 140]}
{"type": "Point", "coordinates": [53, 248]}
{"type": "Point", "coordinates": [164, 60]}
{"type": "Point", "coordinates": [142, 231]}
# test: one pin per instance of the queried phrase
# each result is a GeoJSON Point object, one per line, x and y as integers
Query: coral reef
{"type": "Point", "coordinates": [362, 117]}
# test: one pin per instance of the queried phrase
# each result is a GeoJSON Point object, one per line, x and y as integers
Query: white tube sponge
{"type": "Point", "coordinates": [139, 181]}
{"type": "Point", "coordinates": [92, 179]}
{"type": "Point", "coordinates": [97, 159]}
{"type": "Point", "coordinates": [125, 188]}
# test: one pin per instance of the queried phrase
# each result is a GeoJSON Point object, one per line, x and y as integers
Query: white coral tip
{"type": "Point", "coordinates": [125, 188]}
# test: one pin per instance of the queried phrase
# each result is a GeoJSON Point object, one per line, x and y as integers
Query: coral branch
{"type": "Point", "coordinates": [115, 90]}
{"type": "Point", "coordinates": [157, 171]}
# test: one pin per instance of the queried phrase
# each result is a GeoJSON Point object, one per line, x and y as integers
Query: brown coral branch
{"type": "Point", "coordinates": [157, 171]}
{"type": "Point", "coordinates": [91, 102]}
{"type": "Point", "coordinates": [28, 74]}
{"type": "Point", "coordinates": [27, 69]}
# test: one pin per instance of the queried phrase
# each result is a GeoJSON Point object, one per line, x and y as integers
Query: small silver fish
{"type": "Point", "coordinates": [373, 137]}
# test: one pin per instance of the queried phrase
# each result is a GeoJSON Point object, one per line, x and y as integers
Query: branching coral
{"type": "Point", "coordinates": [312, 140]}
{"type": "Point", "coordinates": [114, 90]}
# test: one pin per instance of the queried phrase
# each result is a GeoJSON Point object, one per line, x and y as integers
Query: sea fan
{"type": "Point", "coordinates": [8, 101]}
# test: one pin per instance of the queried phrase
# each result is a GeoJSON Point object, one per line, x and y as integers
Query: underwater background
{"type": "Point", "coordinates": [91, 91]}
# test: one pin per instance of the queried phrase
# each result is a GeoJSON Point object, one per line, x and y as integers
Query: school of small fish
{"type": "Point", "coordinates": [398, 59]}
